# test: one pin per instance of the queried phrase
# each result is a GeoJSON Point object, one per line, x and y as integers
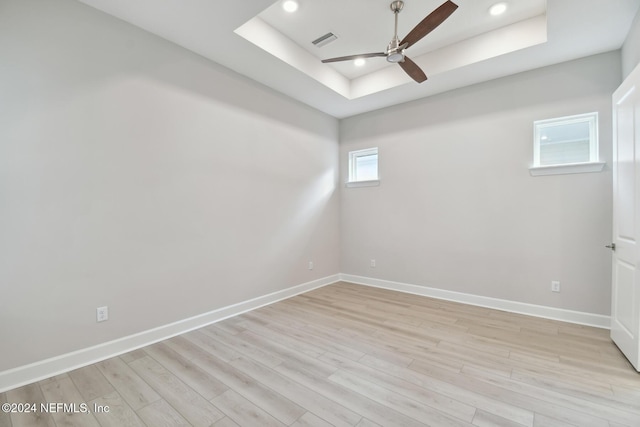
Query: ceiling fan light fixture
{"type": "Point", "coordinates": [395, 57]}
{"type": "Point", "coordinates": [498, 9]}
{"type": "Point", "coordinates": [290, 5]}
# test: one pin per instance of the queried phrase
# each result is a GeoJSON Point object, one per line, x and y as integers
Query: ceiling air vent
{"type": "Point", "coordinates": [324, 40]}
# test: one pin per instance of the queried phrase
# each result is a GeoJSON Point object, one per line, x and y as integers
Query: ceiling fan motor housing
{"type": "Point", "coordinates": [395, 52]}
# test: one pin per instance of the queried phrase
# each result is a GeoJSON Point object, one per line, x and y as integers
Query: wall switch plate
{"type": "Point", "coordinates": [310, 265]}
{"type": "Point", "coordinates": [555, 286]}
{"type": "Point", "coordinates": [373, 263]}
{"type": "Point", "coordinates": [102, 314]}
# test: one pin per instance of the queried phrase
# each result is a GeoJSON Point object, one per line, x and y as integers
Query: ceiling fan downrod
{"type": "Point", "coordinates": [395, 52]}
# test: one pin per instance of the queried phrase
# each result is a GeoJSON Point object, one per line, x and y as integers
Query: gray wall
{"type": "Point", "coordinates": [631, 48]}
{"type": "Point", "coordinates": [457, 209]}
{"type": "Point", "coordinates": [137, 175]}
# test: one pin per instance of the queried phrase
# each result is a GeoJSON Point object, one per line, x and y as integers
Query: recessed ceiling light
{"type": "Point", "coordinates": [359, 62]}
{"type": "Point", "coordinates": [290, 5]}
{"type": "Point", "coordinates": [498, 9]}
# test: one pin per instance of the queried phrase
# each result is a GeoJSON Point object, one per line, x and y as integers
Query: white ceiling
{"type": "Point", "coordinates": [373, 30]}
{"type": "Point", "coordinates": [259, 40]}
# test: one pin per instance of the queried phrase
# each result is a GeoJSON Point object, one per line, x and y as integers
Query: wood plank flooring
{"type": "Point", "coordinates": [349, 355]}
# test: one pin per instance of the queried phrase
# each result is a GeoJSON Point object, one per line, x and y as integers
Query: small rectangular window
{"type": "Point", "coordinates": [566, 140]}
{"type": "Point", "coordinates": [363, 165]}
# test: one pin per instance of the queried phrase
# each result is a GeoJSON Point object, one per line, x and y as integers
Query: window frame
{"type": "Point", "coordinates": [352, 180]}
{"type": "Point", "coordinates": [592, 165]}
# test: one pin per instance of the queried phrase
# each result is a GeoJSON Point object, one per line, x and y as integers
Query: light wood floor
{"type": "Point", "coordinates": [348, 355]}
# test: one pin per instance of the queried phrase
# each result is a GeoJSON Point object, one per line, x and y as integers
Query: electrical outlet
{"type": "Point", "coordinates": [373, 263]}
{"type": "Point", "coordinates": [102, 314]}
{"type": "Point", "coordinates": [555, 286]}
{"type": "Point", "coordinates": [310, 265]}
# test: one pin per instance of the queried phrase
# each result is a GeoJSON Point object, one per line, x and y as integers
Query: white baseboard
{"type": "Point", "coordinates": [37, 371]}
{"type": "Point", "coordinates": [578, 317]}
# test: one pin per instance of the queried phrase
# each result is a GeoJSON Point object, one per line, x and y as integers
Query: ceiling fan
{"type": "Point", "coordinates": [395, 49]}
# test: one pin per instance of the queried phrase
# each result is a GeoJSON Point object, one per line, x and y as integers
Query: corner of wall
{"type": "Point", "coordinates": [631, 48]}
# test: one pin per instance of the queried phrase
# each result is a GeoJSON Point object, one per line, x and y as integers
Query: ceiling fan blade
{"type": "Point", "coordinates": [413, 70]}
{"type": "Point", "coordinates": [429, 23]}
{"type": "Point", "coordinates": [351, 57]}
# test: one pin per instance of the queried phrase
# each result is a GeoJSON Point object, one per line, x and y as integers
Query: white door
{"type": "Point", "coordinates": [625, 304]}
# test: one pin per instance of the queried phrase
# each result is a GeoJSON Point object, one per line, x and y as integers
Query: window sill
{"type": "Point", "coordinates": [354, 184]}
{"type": "Point", "coordinates": [567, 169]}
